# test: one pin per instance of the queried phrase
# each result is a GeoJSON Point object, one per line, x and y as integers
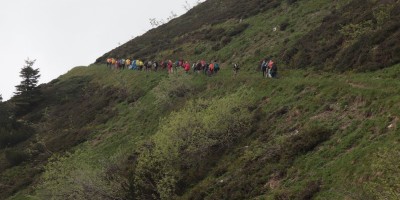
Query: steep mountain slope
{"type": "Point", "coordinates": [194, 137]}
{"type": "Point", "coordinates": [333, 35]}
{"type": "Point", "coordinates": [108, 134]}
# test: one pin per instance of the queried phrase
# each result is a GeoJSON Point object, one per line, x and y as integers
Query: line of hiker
{"type": "Point", "coordinates": [268, 68]}
{"type": "Point", "coordinates": [200, 66]}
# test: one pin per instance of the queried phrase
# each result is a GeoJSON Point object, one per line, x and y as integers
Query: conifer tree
{"type": "Point", "coordinates": [27, 91]}
{"type": "Point", "coordinates": [30, 78]}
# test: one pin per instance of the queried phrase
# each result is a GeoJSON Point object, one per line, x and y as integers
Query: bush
{"type": "Point", "coordinates": [382, 14]}
{"type": "Point", "coordinates": [306, 140]}
{"type": "Point", "coordinates": [16, 157]}
{"type": "Point", "coordinates": [238, 29]}
{"type": "Point", "coordinates": [199, 49]}
{"type": "Point", "coordinates": [216, 47]}
{"type": "Point", "coordinates": [186, 145]}
{"type": "Point", "coordinates": [354, 31]}
{"type": "Point", "coordinates": [215, 34]}
{"type": "Point", "coordinates": [283, 25]}
{"type": "Point", "coordinates": [172, 88]}
{"type": "Point", "coordinates": [9, 138]}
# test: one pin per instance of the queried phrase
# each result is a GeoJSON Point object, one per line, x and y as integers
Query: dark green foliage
{"type": "Point", "coordinates": [27, 93]}
{"type": "Point", "coordinates": [283, 25]}
{"type": "Point", "coordinates": [236, 30]}
{"type": "Point", "coordinates": [16, 157]}
{"type": "Point", "coordinates": [214, 34]}
{"type": "Point", "coordinates": [310, 190]}
{"type": "Point", "coordinates": [11, 137]}
{"type": "Point", "coordinates": [291, 1]}
{"type": "Point", "coordinates": [11, 131]}
{"type": "Point", "coordinates": [307, 193]}
{"type": "Point", "coordinates": [306, 140]}
{"type": "Point", "coordinates": [30, 78]}
{"type": "Point", "coordinates": [199, 50]}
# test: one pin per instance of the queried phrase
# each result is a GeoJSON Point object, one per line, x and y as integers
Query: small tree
{"type": "Point", "coordinates": [1, 98]}
{"type": "Point", "coordinates": [27, 92]}
{"type": "Point", "coordinates": [30, 78]}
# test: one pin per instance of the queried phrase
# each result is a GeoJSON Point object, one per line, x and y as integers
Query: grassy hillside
{"type": "Point", "coordinates": [304, 135]}
{"type": "Point", "coordinates": [331, 35]}
{"type": "Point", "coordinates": [98, 133]}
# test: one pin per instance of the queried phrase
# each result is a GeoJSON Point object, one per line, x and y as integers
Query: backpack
{"type": "Point", "coordinates": [216, 66]}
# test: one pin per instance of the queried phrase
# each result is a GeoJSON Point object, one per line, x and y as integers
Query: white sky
{"type": "Point", "coordinates": [62, 34]}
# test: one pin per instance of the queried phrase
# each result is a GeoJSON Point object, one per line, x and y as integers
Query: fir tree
{"type": "Point", "coordinates": [30, 78]}
{"type": "Point", "coordinates": [27, 93]}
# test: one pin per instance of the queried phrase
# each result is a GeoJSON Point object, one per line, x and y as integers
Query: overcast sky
{"type": "Point", "coordinates": [62, 34]}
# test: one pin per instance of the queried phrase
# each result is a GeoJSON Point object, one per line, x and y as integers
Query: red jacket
{"type": "Point", "coordinates": [186, 66]}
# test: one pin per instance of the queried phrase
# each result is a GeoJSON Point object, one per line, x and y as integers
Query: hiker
{"type": "Point", "coordinates": [198, 67]}
{"type": "Point", "coordinates": [139, 63]}
{"type": "Point", "coordinates": [194, 67]}
{"type": "Point", "coordinates": [108, 62]}
{"type": "Point", "coordinates": [269, 68]}
{"type": "Point", "coordinates": [118, 64]}
{"type": "Point", "coordinates": [180, 63]}
{"type": "Point", "coordinates": [127, 63]}
{"type": "Point", "coordinates": [210, 69]}
{"type": "Point", "coordinates": [273, 70]}
{"type": "Point", "coordinates": [216, 66]}
{"type": "Point", "coordinates": [122, 63]}
{"type": "Point", "coordinates": [169, 66]}
{"type": "Point", "coordinates": [155, 65]}
{"type": "Point", "coordinates": [133, 65]}
{"type": "Point", "coordinates": [114, 63]}
{"type": "Point", "coordinates": [235, 68]}
{"type": "Point", "coordinates": [186, 67]}
{"type": "Point", "coordinates": [165, 66]}
{"type": "Point", "coordinates": [148, 66]}
{"type": "Point", "coordinates": [176, 65]}
{"type": "Point", "coordinates": [206, 68]}
{"type": "Point", "coordinates": [264, 66]}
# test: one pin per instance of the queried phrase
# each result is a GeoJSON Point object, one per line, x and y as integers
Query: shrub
{"type": "Point", "coordinates": [353, 31]}
{"type": "Point", "coordinates": [16, 157]}
{"type": "Point", "coordinates": [312, 188]}
{"type": "Point", "coordinates": [186, 144]}
{"type": "Point", "coordinates": [283, 25]}
{"type": "Point", "coordinates": [225, 40]}
{"type": "Point", "coordinates": [238, 29]}
{"type": "Point", "coordinates": [215, 34]}
{"type": "Point", "coordinates": [172, 88]}
{"type": "Point", "coordinates": [306, 140]}
{"type": "Point", "coordinates": [9, 138]}
{"type": "Point", "coordinates": [216, 47]}
{"type": "Point", "coordinates": [11, 131]}
{"type": "Point", "coordinates": [382, 14]}
{"type": "Point", "coordinates": [199, 49]}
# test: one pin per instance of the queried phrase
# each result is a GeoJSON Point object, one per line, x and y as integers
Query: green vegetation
{"type": "Point", "coordinates": [97, 133]}
{"type": "Point", "coordinates": [303, 135]}
{"type": "Point", "coordinates": [27, 91]}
